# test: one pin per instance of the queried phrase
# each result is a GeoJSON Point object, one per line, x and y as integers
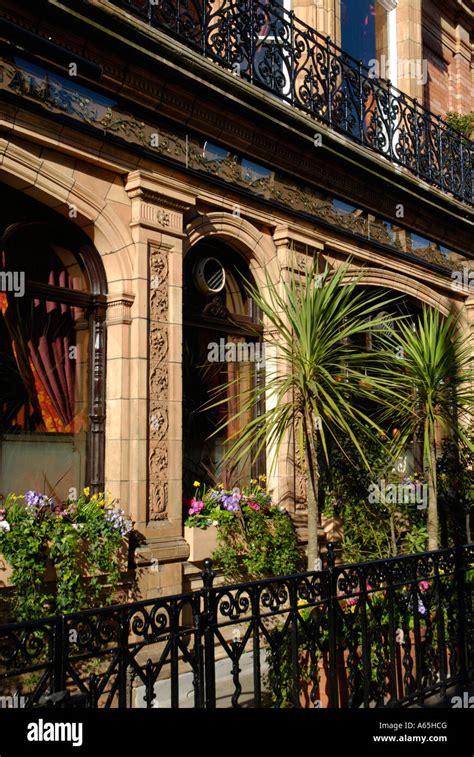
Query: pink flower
{"type": "Point", "coordinates": [424, 585]}
{"type": "Point", "coordinates": [352, 601]}
{"type": "Point", "coordinates": [254, 505]}
{"type": "Point", "coordinates": [196, 506]}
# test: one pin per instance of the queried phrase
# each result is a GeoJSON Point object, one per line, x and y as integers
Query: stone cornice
{"type": "Point", "coordinates": [156, 51]}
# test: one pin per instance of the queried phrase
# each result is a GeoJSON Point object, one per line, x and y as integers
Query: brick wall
{"type": "Point", "coordinates": [448, 50]}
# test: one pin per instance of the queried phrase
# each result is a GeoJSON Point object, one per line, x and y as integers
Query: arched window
{"type": "Point", "coordinates": [222, 343]}
{"type": "Point", "coordinates": [52, 353]}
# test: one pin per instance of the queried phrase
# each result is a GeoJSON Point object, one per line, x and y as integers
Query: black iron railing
{"type": "Point", "coordinates": [270, 47]}
{"type": "Point", "coordinates": [384, 633]}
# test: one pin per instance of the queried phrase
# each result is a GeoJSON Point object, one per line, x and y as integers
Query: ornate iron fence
{"type": "Point", "coordinates": [383, 633]}
{"type": "Point", "coordinates": [273, 49]}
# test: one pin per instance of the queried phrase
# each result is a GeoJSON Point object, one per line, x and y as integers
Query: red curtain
{"type": "Point", "coordinates": [49, 347]}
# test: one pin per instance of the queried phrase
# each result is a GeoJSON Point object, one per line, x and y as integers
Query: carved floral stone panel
{"type": "Point", "coordinates": [158, 385]}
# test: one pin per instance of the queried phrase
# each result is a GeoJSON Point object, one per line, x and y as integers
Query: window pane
{"type": "Point", "coordinates": [363, 29]}
{"type": "Point", "coordinates": [44, 348]}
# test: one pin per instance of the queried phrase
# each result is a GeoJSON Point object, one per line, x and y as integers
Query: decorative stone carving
{"type": "Point", "coordinates": [159, 460]}
{"type": "Point", "coordinates": [118, 309]}
{"type": "Point", "coordinates": [158, 384]}
{"type": "Point", "coordinates": [158, 287]}
{"type": "Point", "coordinates": [158, 500]}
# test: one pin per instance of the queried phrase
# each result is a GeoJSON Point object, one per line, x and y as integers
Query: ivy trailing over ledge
{"type": "Point", "coordinates": [78, 541]}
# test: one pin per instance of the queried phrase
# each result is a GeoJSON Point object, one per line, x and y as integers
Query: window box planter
{"type": "Point", "coordinates": [50, 572]}
{"type": "Point", "coordinates": [202, 542]}
{"type": "Point", "coordinates": [122, 559]}
{"type": "Point", "coordinates": [6, 573]}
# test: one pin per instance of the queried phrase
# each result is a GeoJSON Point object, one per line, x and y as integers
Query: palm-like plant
{"type": "Point", "coordinates": [432, 373]}
{"type": "Point", "coordinates": [317, 382]}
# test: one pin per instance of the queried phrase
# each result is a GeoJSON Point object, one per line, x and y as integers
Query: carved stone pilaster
{"type": "Point", "coordinates": [158, 385]}
{"type": "Point", "coordinates": [158, 208]}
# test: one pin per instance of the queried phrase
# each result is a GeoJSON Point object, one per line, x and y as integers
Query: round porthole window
{"type": "Point", "coordinates": [209, 275]}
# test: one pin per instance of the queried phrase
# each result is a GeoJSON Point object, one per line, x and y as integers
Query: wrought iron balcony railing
{"type": "Point", "coordinates": [274, 50]}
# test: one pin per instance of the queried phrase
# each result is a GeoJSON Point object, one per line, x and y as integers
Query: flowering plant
{"type": "Point", "coordinates": [255, 536]}
{"type": "Point", "coordinates": [216, 505]}
{"type": "Point", "coordinates": [80, 537]}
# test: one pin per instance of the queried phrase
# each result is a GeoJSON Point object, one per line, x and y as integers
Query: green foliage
{"type": "Point", "coordinates": [456, 488]}
{"type": "Point", "coordinates": [24, 547]}
{"type": "Point", "coordinates": [316, 384]}
{"type": "Point", "coordinates": [371, 530]}
{"type": "Point", "coordinates": [257, 545]}
{"type": "Point", "coordinates": [80, 539]}
{"type": "Point", "coordinates": [216, 505]}
{"type": "Point", "coordinates": [256, 538]}
{"type": "Point", "coordinates": [431, 368]}
{"type": "Point", "coordinates": [463, 123]}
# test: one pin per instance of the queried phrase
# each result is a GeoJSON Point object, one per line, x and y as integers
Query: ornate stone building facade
{"type": "Point", "coordinates": [147, 132]}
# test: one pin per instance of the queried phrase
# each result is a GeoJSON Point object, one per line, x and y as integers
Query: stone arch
{"type": "Point", "coordinates": [411, 286]}
{"type": "Point", "coordinates": [59, 191]}
{"type": "Point", "coordinates": [255, 247]}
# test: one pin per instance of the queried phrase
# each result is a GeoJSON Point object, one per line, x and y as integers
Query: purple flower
{"type": "Point", "coordinates": [35, 499]}
{"type": "Point", "coordinates": [421, 608]}
{"type": "Point", "coordinates": [231, 503]}
{"type": "Point", "coordinates": [118, 521]}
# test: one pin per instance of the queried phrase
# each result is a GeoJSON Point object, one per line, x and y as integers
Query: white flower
{"type": "Point", "coordinates": [4, 525]}
{"type": "Point", "coordinates": [215, 522]}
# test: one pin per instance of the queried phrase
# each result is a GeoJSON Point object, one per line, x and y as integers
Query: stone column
{"type": "Point", "coordinates": [410, 47]}
{"type": "Point", "coordinates": [322, 15]}
{"type": "Point", "coordinates": [157, 225]}
{"type": "Point", "coordinates": [119, 477]}
{"type": "Point", "coordinates": [295, 254]}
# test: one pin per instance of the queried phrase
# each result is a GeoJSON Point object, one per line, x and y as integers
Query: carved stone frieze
{"type": "Point", "coordinates": [283, 186]}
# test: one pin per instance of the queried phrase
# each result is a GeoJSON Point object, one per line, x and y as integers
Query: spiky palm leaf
{"type": "Point", "coordinates": [432, 372]}
{"type": "Point", "coordinates": [317, 381]}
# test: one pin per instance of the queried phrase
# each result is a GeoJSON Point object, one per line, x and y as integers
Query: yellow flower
{"type": "Point", "coordinates": [253, 480]}
{"type": "Point", "coordinates": [197, 483]}
{"type": "Point", "coordinates": [87, 491]}
{"type": "Point", "coordinates": [220, 486]}
{"type": "Point", "coordinates": [262, 478]}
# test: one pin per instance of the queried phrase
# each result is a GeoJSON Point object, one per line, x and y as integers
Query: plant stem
{"type": "Point", "coordinates": [433, 498]}
{"type": "Point", "coordinates": [312, 467]}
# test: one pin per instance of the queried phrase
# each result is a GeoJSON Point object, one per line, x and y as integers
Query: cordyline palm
{"type": "Point", "coordinates": [316, 384]}
{"type": "Point", "coordinates": [432, 374]}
